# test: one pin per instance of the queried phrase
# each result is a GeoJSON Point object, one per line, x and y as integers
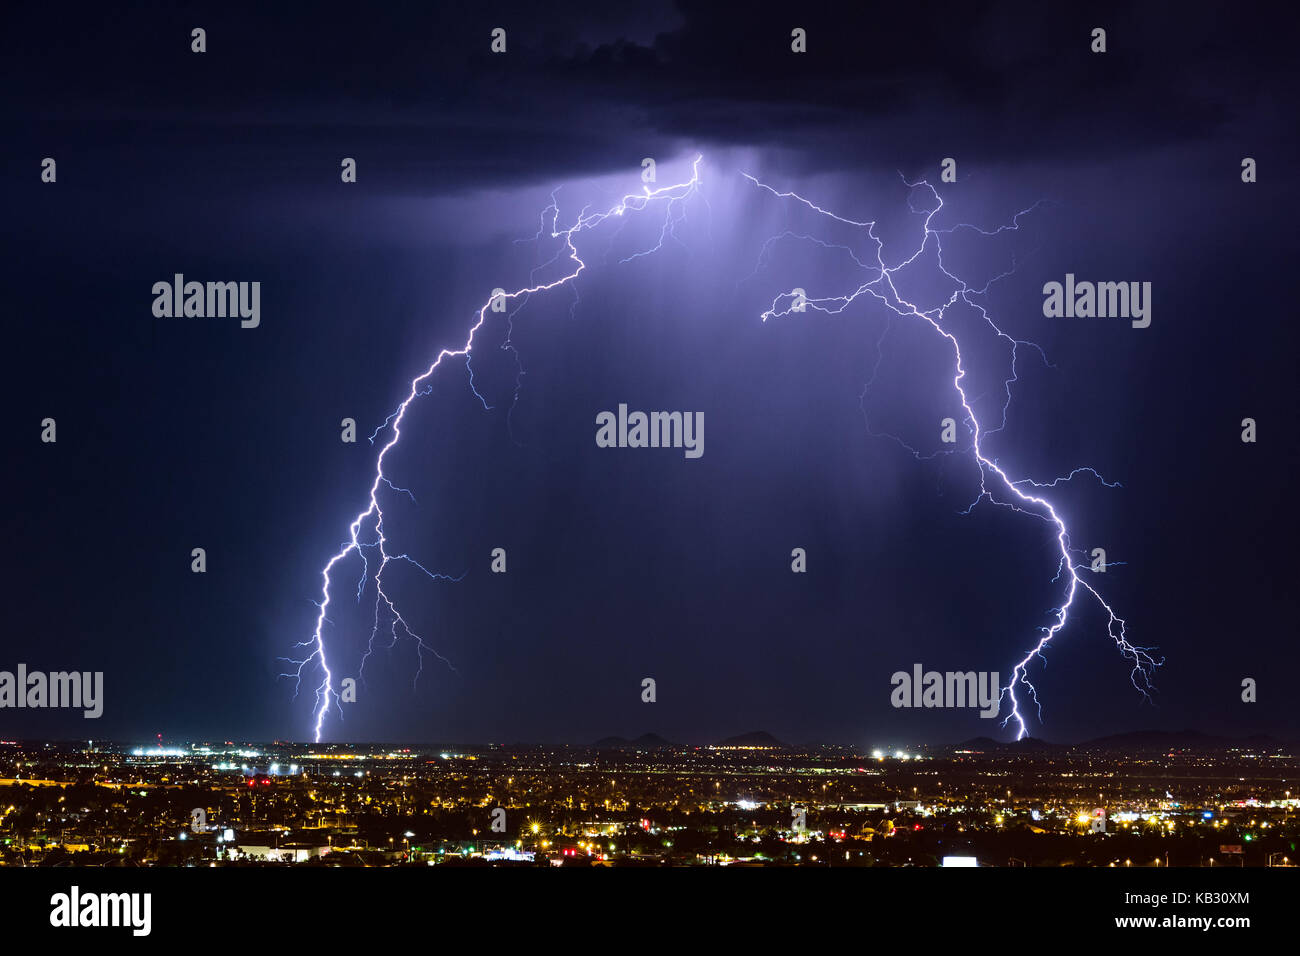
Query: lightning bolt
{"type": "Point", "coordinates": [1022, 495]}
{"type": "Point", "coordinates": [366, 532]}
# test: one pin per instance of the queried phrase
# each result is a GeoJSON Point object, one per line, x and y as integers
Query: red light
{"type": "Point", "coordinates": [916, 826]}
{"type": "Point", "coordinates": [252, 782]}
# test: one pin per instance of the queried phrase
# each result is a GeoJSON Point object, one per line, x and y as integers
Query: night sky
{"type": "Point", "coordinates": [176, 433]}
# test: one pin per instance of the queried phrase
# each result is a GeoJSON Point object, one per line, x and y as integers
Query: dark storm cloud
{"type": "Point", "coordinates": [584, 88]}
{"type": "Point", "coordinates": [1006, 81]}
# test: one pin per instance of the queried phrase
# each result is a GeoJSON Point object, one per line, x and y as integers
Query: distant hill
{"type": "Point", "coordinates": [1147, 740]}
{"type": "Point", "coordinates": [644, 742]}
{"type": "Point", "coordinates": [1137, 741]}
{"type": "Point", "coordinates": [1027, 745]}
{"type": "Point", "coordinates": [755, 738]}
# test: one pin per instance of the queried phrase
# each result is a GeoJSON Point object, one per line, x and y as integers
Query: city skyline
{"type": "Point", "coordinates": [293, 805]}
